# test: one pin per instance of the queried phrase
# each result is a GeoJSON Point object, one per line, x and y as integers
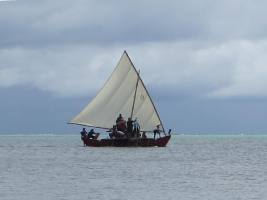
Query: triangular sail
{"type": "Point", "coordinates": [116, 97]}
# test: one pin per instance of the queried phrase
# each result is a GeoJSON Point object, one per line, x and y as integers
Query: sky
{"type": "Point", "coordinates": [203, 62]}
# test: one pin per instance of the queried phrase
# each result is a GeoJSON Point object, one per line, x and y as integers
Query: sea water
{"type": "Point", "coordinates": [44, 167]}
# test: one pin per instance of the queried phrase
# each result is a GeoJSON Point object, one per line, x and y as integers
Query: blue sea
{"type": "Point", "coordinates": [58, 167]}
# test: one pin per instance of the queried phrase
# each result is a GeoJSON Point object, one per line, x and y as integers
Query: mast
{"type": "Point", "coordinates": [146, 92]}
{"type": "Point", "coordinates": [138, 77]}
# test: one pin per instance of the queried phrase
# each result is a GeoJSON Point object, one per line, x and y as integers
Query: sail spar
{"type": "Point", "coordinates": [116, 97]}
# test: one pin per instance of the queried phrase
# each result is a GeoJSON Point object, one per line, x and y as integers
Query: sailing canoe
{"type": "Point", "coordinates": [123, 93]}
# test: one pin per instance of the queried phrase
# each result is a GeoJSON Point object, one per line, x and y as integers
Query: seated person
{"type": "Point", "coordinates": [144, 135]}
{"type": "Point", "coordinates": [120, 134]}
{"type": "Point", "coordinates": [92, 134]}
{"type": "Point", "coordinates": [116, 133]}
{"type": "Point", "coordinates": [112, 132]}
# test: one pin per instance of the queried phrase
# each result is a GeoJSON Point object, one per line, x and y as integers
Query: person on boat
{"type": "Point", "coordinates": [116, 133]}
{"type": "Point", "coordinates": [144, 135]}
{"type": "Point", "coordinates": [136, 128]}
{"type": "Point", "coordinates": [121, 124]}
{"type": "Point", "coordinates": [129, 127]}
{"type": "Point", "coordinates": [91, 134]}
{"type": "Point", "coordinates": [119, 118]}
{"type": "Point", "coordinates": [120, 134]}
{"type": "Point", "coordinates": [112, 132]}
{"type": "Point", "coordinates": [156, 131]}
{"type": "Point", "coordinates": [83, 135]}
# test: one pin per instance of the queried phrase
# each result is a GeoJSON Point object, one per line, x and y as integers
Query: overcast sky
{"type": "Point", "coordinates": [204, 62]}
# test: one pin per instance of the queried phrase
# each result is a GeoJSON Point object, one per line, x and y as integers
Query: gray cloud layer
{"type": "Point", "coordinates": [206, 48]}
{"type": "Point", "coordinates": [107, 22]}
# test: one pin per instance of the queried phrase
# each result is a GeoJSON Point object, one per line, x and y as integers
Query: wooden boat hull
{"type": "Point", "coordinates": [127, 142]}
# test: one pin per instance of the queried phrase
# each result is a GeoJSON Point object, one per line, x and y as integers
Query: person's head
{"type": "Point", "coordinates": [158, 126]}
{"type": "Point", "coordinates": [120, 115]}
{"type": "Point", "coordinates": [92, 130]}
{"type": "Point", "coordinates": [83, 129]}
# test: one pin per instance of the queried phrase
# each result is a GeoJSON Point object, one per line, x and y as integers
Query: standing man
{"type": "Point", "coordinates": [136, 128]}
{"type": "Point", "coordinates": [129, 127]}
{"type": "Point", "coordinates": [157, 131]}
{"type": "Point", "coordinates": [83, 135]}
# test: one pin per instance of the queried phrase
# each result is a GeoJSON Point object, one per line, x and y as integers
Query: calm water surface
{"type": "Point", "coordinates": [191, 167]}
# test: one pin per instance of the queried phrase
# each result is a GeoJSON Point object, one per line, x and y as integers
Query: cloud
{"type": "Point", "coordinates": [249, 71]}
{"type": "Point", "coordinates": [227, 69]}
{"type": "Point", "coordinates": [230, 69]}
{"type": "Point", "coordinates": [62, 71]}
{"type": "Point", "coordinates": [44, 23]}
{"type": "Point", "coordinates": [202, 49]}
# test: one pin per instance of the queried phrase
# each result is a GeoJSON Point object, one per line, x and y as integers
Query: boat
{"type": "Point", "coordinates": [123, 94]}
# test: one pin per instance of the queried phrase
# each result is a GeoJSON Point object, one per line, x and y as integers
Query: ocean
{"type": "Point", "coordinates": [58, 167]}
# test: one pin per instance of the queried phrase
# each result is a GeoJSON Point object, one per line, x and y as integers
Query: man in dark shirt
{"type": "Point", "coordinates": [157, 131]}
{"type": "Point", "coordinates": [129, 127]}
{"type": "Point", "coordinates": [83, 135]}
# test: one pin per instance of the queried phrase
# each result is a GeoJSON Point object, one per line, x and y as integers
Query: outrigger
{"type": "Point", "coordinates": [124, 94]}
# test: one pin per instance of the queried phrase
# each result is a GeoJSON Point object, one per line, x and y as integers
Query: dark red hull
{"type": "Point", "coordinates": [128, 142]}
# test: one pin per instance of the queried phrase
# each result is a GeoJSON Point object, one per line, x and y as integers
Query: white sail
{"type": "Point", "coordinates": [116, 97]}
